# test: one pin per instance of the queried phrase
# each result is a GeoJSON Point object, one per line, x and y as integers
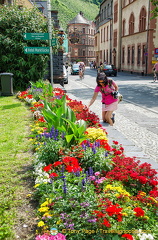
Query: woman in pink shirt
{"type": "Point", "coordinates": [109, 104]}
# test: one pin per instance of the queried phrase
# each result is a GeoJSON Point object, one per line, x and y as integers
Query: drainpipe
{"type": "Point", "coordinates": [147, 39]}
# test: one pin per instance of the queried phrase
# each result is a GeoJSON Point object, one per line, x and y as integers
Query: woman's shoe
{"type": "Point", "coordinates": [113, 117]}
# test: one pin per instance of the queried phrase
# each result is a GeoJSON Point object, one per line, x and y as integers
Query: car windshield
{"type": "Point", "coordinates": [108, 66]}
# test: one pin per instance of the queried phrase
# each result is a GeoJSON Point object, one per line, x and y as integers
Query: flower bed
{"type": "Point", "coordinates": [86, 188]}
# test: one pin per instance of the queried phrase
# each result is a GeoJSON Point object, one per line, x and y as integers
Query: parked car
{"type": "Point", "coordinates": [65, 75]}
{"type": "Point", "coordinates": [109, 70]}
{"type": "Point", "coordinates": [62, 77]}
{"type": "Point", "coordinates": [75, 68]}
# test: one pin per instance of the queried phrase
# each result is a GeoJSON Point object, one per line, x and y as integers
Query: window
{"type": "Point", "coordinates": [105, 13]}
{"type": "Point", "coordinates": [142, 20]}
{"type": "Point", "coordinates": [83, 41]}
{"type": "Point", "coordinates": [132, 54]}
{"type": "Point", "coordinates": [108, 12]}
{"type": "Point", "coordinates": [83, 53]}
{"type": "Point", "coordinates": [104, 34]}
{"type": "Point", "coordinates": [101, 35]}
{"type": "Point", "coordinates": [128, 55]}
{"type": "Point", "coordinates": [115, 12]}
{"type": "Point", "coordinates": [83, 30]}
{"type": "Point", "coordinates": [143, 54]}
{"type": "Point", "coordinates": [115, 39]}
{"type": "Point", "coordinates": [131, 24]}
{"type": "Point", "coordinates": [107, 55]}
{"type": "Point", "coordinates": [123, 27]}
{"type": "Point", "coordinates": [95, 41]}
{"type": "Point", "coordinates": [100, 55]}
{"type": "Point", "coordinates": [138, 54]}
{"type": "Point", "coordinates": [107, 33]}
{"type": "Point", "coordinates": [123, 55]}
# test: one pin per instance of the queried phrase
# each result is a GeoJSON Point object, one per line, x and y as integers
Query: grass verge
{"type": "Point", "coordinates": [16, 210]}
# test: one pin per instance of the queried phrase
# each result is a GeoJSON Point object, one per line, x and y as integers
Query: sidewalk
{"type": "Point", "coordinates": [130, 148]}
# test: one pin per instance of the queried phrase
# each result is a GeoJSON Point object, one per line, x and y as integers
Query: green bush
{"type": "Point", "coordinates": [14, 23]}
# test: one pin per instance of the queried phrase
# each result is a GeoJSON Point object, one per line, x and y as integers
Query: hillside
{"type": "Point", "coordinates": [68, 9]}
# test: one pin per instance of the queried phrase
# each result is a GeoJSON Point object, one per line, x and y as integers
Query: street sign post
{"type": "Point", "coordinates": [36, 36]}
{"type": "Point", "coordinates": [36, 50]}
{"type": "Point", "coordinates": [54, 42]}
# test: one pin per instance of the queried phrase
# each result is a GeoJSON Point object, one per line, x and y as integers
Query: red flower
{"type": "Point", "coordinates": [57, 163]}
{"type": "Point", "coordinates": [142, 179]}
{"type": "Point", "coordinates": [53, 174]}
{"type": "Point", "coordinates": [106, 223]}
{"type": "Point", "coordinates": [139, 212]}
{"type": "Point", "coordinates": [47, 168]}
{"type": "Point", "coordinates": [128, 236]}
{"type": "Point", "coordinates": [113, 210]}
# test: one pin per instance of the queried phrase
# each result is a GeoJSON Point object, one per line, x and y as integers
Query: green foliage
{"type": "Point", "coordinates": [13, 24]}
{"type": "Point", "coordinates": [63, 118]}
{"type": "Point", "coordinates": [67, 10]}
{"type": "Point", "coordinates": [155, 11]}
{"type": "Point", "coordinates": [49, 152]}
{"type": "Point", "coordinates": [96, 158]}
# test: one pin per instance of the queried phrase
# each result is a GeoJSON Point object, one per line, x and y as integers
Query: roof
{"type": "Point", "coordinates": [79, 19]}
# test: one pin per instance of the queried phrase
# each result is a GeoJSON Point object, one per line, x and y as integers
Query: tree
{"type": "Point", "coordinates": [155, 11]}
{"type": "Point", "coordinates": [14, 23]}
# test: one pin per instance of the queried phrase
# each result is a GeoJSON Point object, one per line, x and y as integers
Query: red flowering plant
{"type": "Point", "coordinates": [117, 207]}
{"type": "Point", "coordinates": [135, 176]}
{"type": "Point", "coordinates": [82, 112]}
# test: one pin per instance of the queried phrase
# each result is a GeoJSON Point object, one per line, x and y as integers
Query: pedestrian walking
{"type": "Point", "coordinates": [107, 87]}
{"type": "Point", "coordinates": [155, 69]}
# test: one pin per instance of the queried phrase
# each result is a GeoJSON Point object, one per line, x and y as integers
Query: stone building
{"type": "Point", "coordinates": [126, 36]}
{"type": "Point", "coordinates": [81, 39]}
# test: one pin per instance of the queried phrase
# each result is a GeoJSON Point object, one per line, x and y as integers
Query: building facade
{"type": "Point", "coordinates": [126, 36]}
{"type": "Point", "coordinates": [81, 39]}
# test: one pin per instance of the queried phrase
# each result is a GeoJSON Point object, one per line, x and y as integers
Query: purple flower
{"type": "Point", "coordinates": [92, 220]}
{"type": "Point", "coordinates": [84, 204]}
{"type": "Point", "coordinates": [90, 171]}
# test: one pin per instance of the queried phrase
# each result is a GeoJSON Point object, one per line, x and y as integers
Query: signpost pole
{"type": "Point", "coordinates": [50, 37]}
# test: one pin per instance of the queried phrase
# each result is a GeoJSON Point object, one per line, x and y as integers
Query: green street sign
{"type": "Point", "coordinates": [36, 50]}
{"type": "Point", "coordinates": [36, 36]}
{"type": "Point", "coordinates": [54, 42]}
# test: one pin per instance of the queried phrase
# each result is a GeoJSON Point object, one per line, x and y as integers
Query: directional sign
{"type": "Point", "coordinates": [54, 42]}
{"type": "Point", "coordinates": [156, 50]}
{"type": "Point", "coordinates": [36, 50]}
{"type": "Point", "coordinates": [36, 36]}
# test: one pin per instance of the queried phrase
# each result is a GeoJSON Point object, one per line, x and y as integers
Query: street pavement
{"type": "Point", "coordinates": [137, 140]}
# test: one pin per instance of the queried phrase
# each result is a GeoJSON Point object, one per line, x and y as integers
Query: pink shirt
{"type": "Point", "coordinates": [156, 66]}
{"type": "Point", "coordinates": [106, 91]}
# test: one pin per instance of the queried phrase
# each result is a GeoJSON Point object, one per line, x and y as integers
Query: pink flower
{"type": "Point", "coordinates": [97, 173]}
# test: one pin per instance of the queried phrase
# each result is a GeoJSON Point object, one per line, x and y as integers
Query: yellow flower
{"type": "Point", "coordinates": [58, 222]}
{"type": "Point", "coordinates": [29, 195]}
{"type": "Point", "coordinates": [43, 209]}
{"type": "Point", "coordinates": [142, 193]}
{"type": "Point", "coordinates": [41, 224]}
{"type": "Point", "coordinates": [146, 217]}
{"type": "Point", "coordinates": [36, 185]}
{"type": "Point", "coordinates": [44, 204]}
{"type": "Point", "coordinates": [47, 214]}
{"type": "Point", "coordinates": [125, 214]}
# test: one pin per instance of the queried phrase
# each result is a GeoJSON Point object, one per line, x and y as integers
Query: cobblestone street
{"type": "Point", "coordinates": [130, 124]}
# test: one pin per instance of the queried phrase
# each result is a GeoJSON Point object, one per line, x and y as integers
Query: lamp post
{"type": "Point", "coordinates": [109, 18]}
